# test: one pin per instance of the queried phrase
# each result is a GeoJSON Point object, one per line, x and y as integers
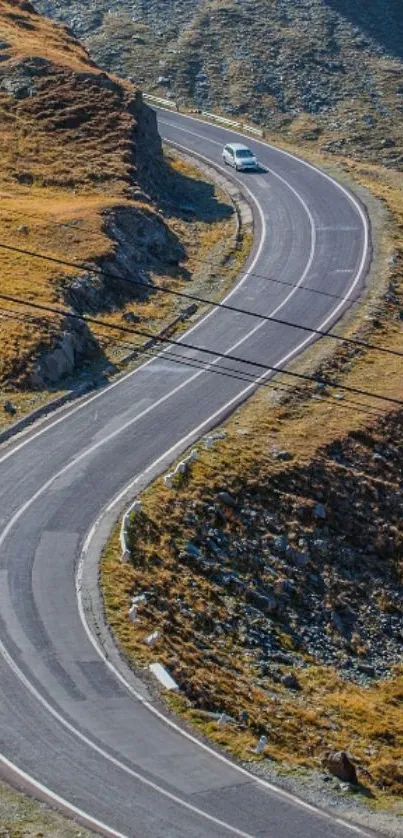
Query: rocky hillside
{"type": "Point", "coordinates": [282, 570]}
{"type": "Point", "coordinates": [324, 70]}
{"type": "Point", "coordinates": [82, 177]}
{"type": "Point", "coordinates": [76, 146]}
{"type": "Point", "coordinates": [274, 561]}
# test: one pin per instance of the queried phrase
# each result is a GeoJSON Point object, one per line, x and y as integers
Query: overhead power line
{"type": "Point", "coordinates": [166, 341]}
{"type": "Point", "coordinates": [228, 372]}
{"type": "Point", "coordinates": [208, 262]}
{"type": "Point", "coordinates": [196, 298]}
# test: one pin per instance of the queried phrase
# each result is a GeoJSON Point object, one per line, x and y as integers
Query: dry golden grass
{"type": "Point", "coordinates": [29, 34]}
{"type": "Point", "coordinates": [23, 817]}
{"type": "Point", "coordinates": [220, 673]}
{"type": "Point", "coordinates": [71, 154]}
{"type": "Point", "coordinates": [333, 714]}
{"type": "Point", "coordinates": [48, 173]}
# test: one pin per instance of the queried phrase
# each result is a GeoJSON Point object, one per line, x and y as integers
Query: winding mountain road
{"type": "Point", "coordinates": [67, 720]}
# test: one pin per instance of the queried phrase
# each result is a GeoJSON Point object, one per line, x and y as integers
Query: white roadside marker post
{"type": "Point", "coordinates": [261, 745]}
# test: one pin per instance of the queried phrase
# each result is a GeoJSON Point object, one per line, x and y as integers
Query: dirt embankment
{"type": "Point", "coordinates": [83, 179]}
{"type": "Point", "coordinates": [273, 567]}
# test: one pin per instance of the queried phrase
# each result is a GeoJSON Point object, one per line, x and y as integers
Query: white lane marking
{"type": "Point", "coordinates": [196, 326]}
{"type": "Point", "coordinates": [131, 374]}
{"type": "Point", "coordinates": [92, 745]}
{"type": "Point", "coordinates": [288, 186]}
{"type": "Point", "coordinates": [349, 195]}
{"type": "Point", "coordinates": [124, 378]}
{"type": "Point", "coordinates": [33, 690]}
{"type": "Point", "coordinates": [60, 801]}
{"type": "Point", "coordinates": [339, 229]}
{"type": "Point", "coordinates": [307, 268]}
{"type": "Point", "coordinates": [90, 450]}
{"type": "Point", "coordinates": [97, 445]}
{"type": "Point", "coordinates": [288, 796]}
{"type": "Point", "coordinates": [349, 826]}
{"type": "Point", "coordinates": [294, 158]}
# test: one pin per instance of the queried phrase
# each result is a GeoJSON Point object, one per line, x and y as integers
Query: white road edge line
{"type": "Point", "coordinates": [109, 758]}
{"type": "Point", "coordinates": [169, 722]}
{"type": "Point", "coordinates": [222, 410]}
{"type": "Point", "coordinates": [40, 698]}
{"type": "Point", "coordinates": [90, 450]}
{"type": "Point", "coordinates": [345, 191]}
{"type": "Point", "coordinates": [60, 801]}
{"type": "Point", "coordinates": [136, 371]}
{"type": "Point", "coordinates": [349, 196]}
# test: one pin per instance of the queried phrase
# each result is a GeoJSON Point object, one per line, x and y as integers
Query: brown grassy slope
{"type": "Point", "coordinates": [207, 639]}
{"type": "Point", "coordinates": [66, 137]}
{"type": "Point", "coordinates": [333, 587]}
{"type": "Point", "coordinates": [82, 177]}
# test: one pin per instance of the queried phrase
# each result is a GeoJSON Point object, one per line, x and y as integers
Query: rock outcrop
{"type": "Point", "coordinates": [339, 764]}
{"type": "Point", "coordinates": [79, 150]}
{"type": "Point", "coordinates": [75, 345]}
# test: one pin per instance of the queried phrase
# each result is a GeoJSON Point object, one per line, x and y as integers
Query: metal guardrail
{"type": "Point", "coordinates": [252, 130]}
{"type": "Point", "coordinates": [222, 119]}
{"type": "Point", "coordinates": [167, 103]}
{"type": "Point", "coordinates": [180, 469]}
{"type": "Point", "coordinates": [244, 126]}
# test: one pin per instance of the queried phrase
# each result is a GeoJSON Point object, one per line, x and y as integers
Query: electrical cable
{"type": "Point", "coordinates": [208, 262]}
{"type": "Point", "coordinates": [228, 372]}
{"type": "Point", "coordinates": [195, 298]}
{"type": "Point", "coordinates": [203, 350]}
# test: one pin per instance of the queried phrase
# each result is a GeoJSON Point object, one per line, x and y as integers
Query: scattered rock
{"type": "Point", "coordinates": [75, 345]}
{"type": "Point", "coordinates": [339, 764]}
{"type": "Point", "coordinates": [261, 745]}
{"type": "Point", "coordinates": [281, 543]}
{"type": "Point", "coordinates": [133, 613]}
{"type": "Point", "coordinates": [152, 638]}
{"type": "Point", "coordinates": [210, 441]}
{"type": "Point", "coordinates": [131, 317]}
{"type": "Point", "coordinates": [10, 408]}
{"type": "Point", "coordinates": [285, 456]}
{"type": "Point", "coordinates": [226, 499]}
{"type": "Point", "coordinates": [291, 682]}
{"type": "Point", "coordinates": [367, 669]}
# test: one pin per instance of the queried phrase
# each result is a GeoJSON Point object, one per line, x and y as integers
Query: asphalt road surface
{"type": "Point", "coordinates": [66, 720]}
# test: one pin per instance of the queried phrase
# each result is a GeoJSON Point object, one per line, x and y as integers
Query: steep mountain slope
{"type": "Point", "coordinates": [74, 145]}
{"type": "Point", "coordinates": [82, 177]}
{"type": "Point", "coordinates": [327, 70]}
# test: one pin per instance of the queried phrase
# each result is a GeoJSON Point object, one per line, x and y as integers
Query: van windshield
{"type": "Point", "coordinates": [244, 152]}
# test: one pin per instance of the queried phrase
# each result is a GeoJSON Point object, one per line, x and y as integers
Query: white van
{"type": "Point", "coordinates": [239, 156]}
